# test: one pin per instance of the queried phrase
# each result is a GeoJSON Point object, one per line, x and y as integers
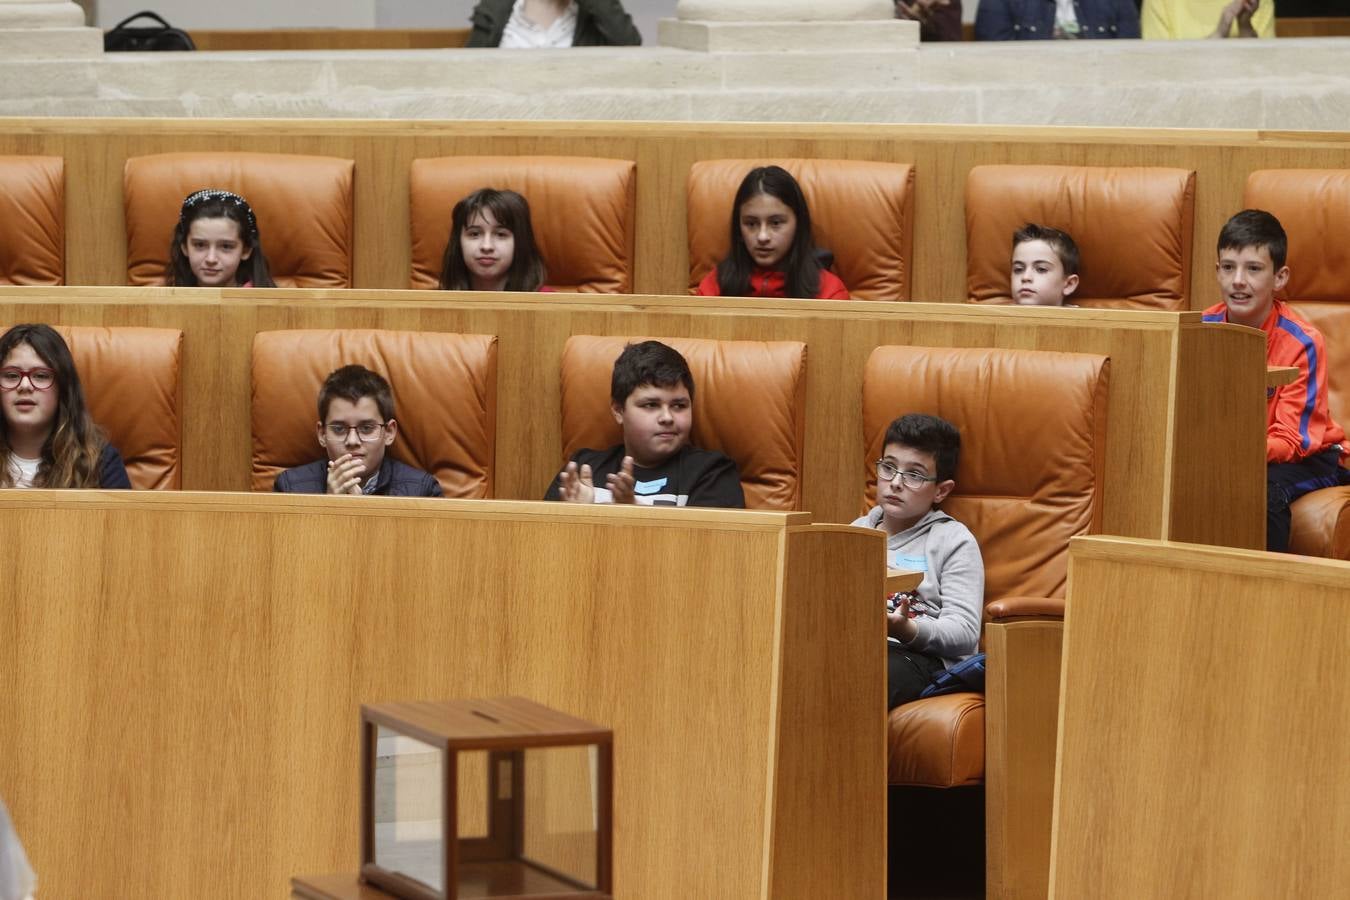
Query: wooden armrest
{"type": "Point", "coordinates": [1025, 607]}
{"type": "Point", "coordinates": [898, 580]}
{"type": "Point", "coordinates": [1278, 376]}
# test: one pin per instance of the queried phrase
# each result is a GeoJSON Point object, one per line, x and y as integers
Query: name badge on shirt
{"type": "Point", "coordinates": [909, 563]}
{"type": "Point", "coordinates": [649, 487]}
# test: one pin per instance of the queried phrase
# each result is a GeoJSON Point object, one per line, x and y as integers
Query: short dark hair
{"type": "Point", "coordinates": [1060, 242]}
{"type": "Point", "coordinates": [649, 362]}
{"type": "Point", "coordinates": [351, 383]}
{"type": "Point", "coordinates": [928, 434]}
{"type": "Point", "coordinates": [1255, 228]}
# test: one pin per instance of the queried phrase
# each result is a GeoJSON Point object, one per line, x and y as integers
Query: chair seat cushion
{"type": "Point", "coordinates": [1320, 524]}
{"type": "Point", "coordinates": [937, 742]}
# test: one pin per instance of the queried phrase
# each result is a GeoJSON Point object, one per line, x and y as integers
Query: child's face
{"type": "Point", "coordinates": [214, 250]}
{"type": "Point", "coordinates": [1248, 281]}
{"type": "Point", "coordinates": [352, 418]}
{"type": "Point", "coordinates": [26, 408]}
{"type": "Point", "coordinates": [489, 249]}
{"type": "Point", "coordinates": [768, 227]}
{"type": "Point", "coordinates": [655, 422]}
{"type": "Point", "coordinates": [902, 506]}
{"type": "Point", "coordinates": [1038, 277]}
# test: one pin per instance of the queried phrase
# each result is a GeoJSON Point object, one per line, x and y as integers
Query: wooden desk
{"type": "Point", "coordinates": [1202, 725]}
{"type": "Point", "coordinates": [184, 671]}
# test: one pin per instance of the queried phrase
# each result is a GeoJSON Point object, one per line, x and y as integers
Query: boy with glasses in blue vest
{"type": "Point", "coordinates": [939, 624]}
{"type": "Point", "coordinates": [356, 425]}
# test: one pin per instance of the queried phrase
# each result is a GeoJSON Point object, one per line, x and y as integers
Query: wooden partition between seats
{"type": "Point", "coordinates": [95, 151]}
{"type": "Point", "coordinates": [1185, 425]}
{"type": "Point", "coordinates": [1202, 730]}
{"type": "Point", "coordinates": [330, 39]}
{"type": "Point", "coordinates": [183, 676]}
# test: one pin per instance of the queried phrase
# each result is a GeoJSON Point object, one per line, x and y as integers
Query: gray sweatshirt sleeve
{"type": "Point", "coordinates": [957, 569]}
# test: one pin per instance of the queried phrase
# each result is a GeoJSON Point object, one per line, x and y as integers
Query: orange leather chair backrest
{"type": "Point", "coordinates": [303, 205]}
{"type": "Point", "coordinates": [1313, 205]}
{"type": "Point", "coordinates": [32, 220]}
{"type": "Point", "coordinates": [132, 383]}
{"type": "Point", "coordinates": [749, 403]}
{"type": "Point", "coordinates": [1033, 437]}
{"type": "Point", "coordinates": [445, 400]}
{"type": "Point", "coordinates": [582, 210]}
{"type": "Point", "coordinates": [863, 212]}
{"type": "Point", "coordinates": [1133, 227]}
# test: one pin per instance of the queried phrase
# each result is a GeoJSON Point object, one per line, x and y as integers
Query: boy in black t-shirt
{"type": "Point", "coordinates": [652, 399]}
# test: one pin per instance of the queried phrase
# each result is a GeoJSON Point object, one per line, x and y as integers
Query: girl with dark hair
{"type": "Point", "coordinates": [491, 245]}
{"type": "Point", "coordinates": [216, 244]}
{"type": "Point", "coordinates": [772, 252]}
{"type": "Point", "coordinates": [47, 437]}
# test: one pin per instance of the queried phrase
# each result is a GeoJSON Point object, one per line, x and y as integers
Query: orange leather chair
{"type": "Point", "coordinates": [863, 212]}
{"type": "Point", "coordinates": [749, 403]}
{"type": "Point", "coordinates": [132, 383]}
{"type": "Point", "coordinates": [32, 220]}
{"type": "Point", "coordinates": [1033, 434]}
{"type": "Point", "coordinates": [445, 400]}
{"type": "Point", "coordinates": [303, 205]}
{"type": "Point", "coordinates": [582, 210]}
{"type": "Point", "coordinates": [1313, 205]}
{"type": "Point", "coordinates": [1133, 228]}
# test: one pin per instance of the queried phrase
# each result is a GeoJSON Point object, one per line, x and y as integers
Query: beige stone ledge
{"type": "Point", "coordinates": [49, 43]}
{"type": "Point", "coordinates": [1292, 84]}
{"type": "Point", "coordinates": [743, 37]}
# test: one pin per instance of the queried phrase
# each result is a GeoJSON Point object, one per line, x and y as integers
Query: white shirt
{"type": "Point", "coordinates": [1066, 19]}
{"type": "Point", "coordinates": [521, 33]}
{"type": "Point", "coordinates": [23, 471]}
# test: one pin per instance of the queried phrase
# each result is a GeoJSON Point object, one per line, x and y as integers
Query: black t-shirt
{"type": "Point", "coordinates": [691, 477]}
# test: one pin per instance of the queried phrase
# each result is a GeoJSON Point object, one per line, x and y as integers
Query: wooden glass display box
{"type": "Point", "coordinates": [498, 798]}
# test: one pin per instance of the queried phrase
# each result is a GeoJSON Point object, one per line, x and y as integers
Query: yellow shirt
{"type": "Point", "coordinates": [1185, 20]}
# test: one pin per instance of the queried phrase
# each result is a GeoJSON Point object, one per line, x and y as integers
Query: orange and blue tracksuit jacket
{"type": "Point", "coordinates": [1298, 422]}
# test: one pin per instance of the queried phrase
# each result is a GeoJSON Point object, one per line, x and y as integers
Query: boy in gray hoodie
{"type": "Point", "coordinates": [940, 626]}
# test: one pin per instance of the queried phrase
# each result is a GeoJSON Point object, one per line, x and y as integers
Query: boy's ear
{"type": "Point", "coordinates": [1070, 285]}
{"type": "Point", "coordinates": [943, 489]}
{"type": "Point", "coordinates": [319, 431]}
{"type": "Point", "coordinates": [617, 412]}
{"type": "Point", "coordinates": [390, 431]}
{"type": "Point", "coordinates": [1281, 279]}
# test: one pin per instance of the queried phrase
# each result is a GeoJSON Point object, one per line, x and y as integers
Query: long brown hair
{"type": "Point", "coordinates": [70, 455]}
{"type": "Point", "coordinates": [512, 212]}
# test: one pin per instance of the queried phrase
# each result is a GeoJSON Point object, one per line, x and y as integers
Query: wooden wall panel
{"type": "Point", "coordinates": [185, 673]}
{"type": "Point", "coordinates": [1202, 729]}
{"type": "Point", "coordinates": [96, 149]}
{"type": "Point", "coordinates": [1147, 434]}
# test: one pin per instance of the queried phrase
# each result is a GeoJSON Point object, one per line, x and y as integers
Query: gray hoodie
{"type": "Point", "coordinates": [950, 602]}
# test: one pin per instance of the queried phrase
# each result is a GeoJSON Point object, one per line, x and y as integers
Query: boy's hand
{"type": "Point", "coordinates": [574, 486]}
{"type": "Point", "coordinates": [1240, 11]}
{"type": "Point", "coordinates": [621, 483]}
{"type": "Point", "coordinates": [899, 625]}
{"type": "Point", "coordinates": [344, 475]}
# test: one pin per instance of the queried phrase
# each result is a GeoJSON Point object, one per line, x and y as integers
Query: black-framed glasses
{"type": "Point", "coordinates": [366, 432]}
{"type": "Point", "coordinates": [887, 470]}
{"type": "Point", "coordinates": [40, 378]}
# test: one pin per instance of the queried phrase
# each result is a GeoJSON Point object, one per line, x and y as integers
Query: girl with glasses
{"type": "Point", "coordinates": [47, 437]}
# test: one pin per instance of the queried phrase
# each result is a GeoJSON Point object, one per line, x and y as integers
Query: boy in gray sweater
{"type": "Point", "coordinates": [940, 625]}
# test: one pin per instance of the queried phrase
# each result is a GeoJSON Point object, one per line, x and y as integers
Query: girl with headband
{"type": "Point", "coordinates": [215, 244]}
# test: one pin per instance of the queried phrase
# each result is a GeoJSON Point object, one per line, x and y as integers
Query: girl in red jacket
{"type": "Point", "coordinates": [772, 253]}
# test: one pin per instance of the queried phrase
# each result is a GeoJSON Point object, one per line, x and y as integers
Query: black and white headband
{"type": "Point", "coordinates": [200, 197]}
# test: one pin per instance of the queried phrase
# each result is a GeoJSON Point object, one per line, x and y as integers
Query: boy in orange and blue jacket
{"type": "Point", "coordinates": [1305, 448]}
